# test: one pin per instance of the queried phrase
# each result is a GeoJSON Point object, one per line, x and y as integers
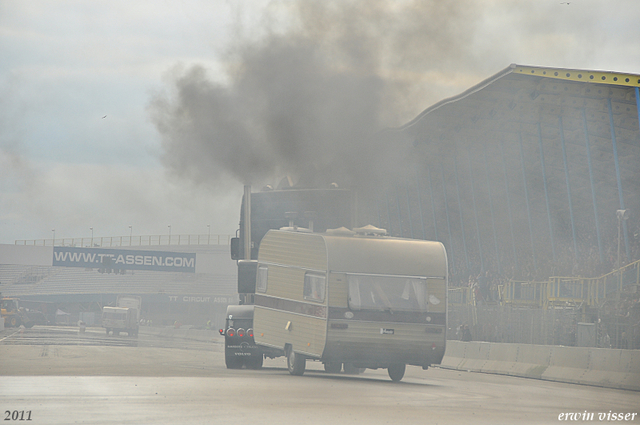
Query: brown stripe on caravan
{"type": "Point", "coordinates": [291, 306]}
{"type": "Point", "coordinates": [389, 316]}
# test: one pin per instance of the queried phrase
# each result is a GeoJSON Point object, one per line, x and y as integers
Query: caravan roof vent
{"type": "Point", "coordinates": [296, 229]}
{"type": "Point", "coordinates": [340, 231]}
{"type": "Point", "coordinates": [370, 230]}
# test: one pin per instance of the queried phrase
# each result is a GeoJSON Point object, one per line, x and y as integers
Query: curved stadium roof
{"type": "Point", "coordinates": [523, 173]}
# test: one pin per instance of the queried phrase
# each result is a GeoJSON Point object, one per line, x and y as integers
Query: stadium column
{"type": "Point", "coordinates": [566, 175]}
{"type": "Point", "coordinates": [638, 104]}
{"type": "Point", "coordinates": [399, 216]}
{"type": "Point", "coordinates": [546, 194]}
{"type": "Point", "coordinates": [506, 183]}
{"type": "Point", "coordinates": [409, 210]}
{"type": "Point", "coordinates": [493, 221]}
{"type": "Point", "coordinates": [424, 235]}
{"type": "Point", "coordinates": [433, 204]}
{"type": "Point", "coordinates": [593, 187]}
{"type": "Point", "coordinates": [475, 212]}
{"type": "Point", "coordinates": [464, 238]}
{"type": "Point", "coordinates": [446, 211]}
{"type": "Point", "coordinates": [617, 164]}
{"type": "Point", "coordinates": [386, 195]}
{"type": "Point", "coordinates": [526, 197]}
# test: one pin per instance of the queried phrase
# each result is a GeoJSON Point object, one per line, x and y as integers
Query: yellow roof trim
{"type": "Point", "coordinates": [580, 75]}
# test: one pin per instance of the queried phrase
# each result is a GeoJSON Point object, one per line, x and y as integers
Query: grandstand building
{"type": "Point", "coordinates": [190, 283]}
{"type": "Point", "coordinates": [523, 175]}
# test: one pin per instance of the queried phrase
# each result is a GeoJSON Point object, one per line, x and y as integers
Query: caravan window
{"type": "Point", "coordinates": [314, 286]}
{"type": "Point", "coordinates": [261, 281]}
{"type": "Point", "coordinates": [394, 293]}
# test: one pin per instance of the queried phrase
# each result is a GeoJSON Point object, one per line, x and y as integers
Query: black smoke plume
{"type": "Point", "coordinates": [311, 101]}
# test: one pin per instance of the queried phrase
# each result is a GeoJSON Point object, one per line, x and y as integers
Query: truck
{"type": "Point", "coordinates": [313, 208]}
{"type": "Point", "coordinates": [14, 315]}
{"type": "Point", "coordinates": [351, 299]}
{"type": "Point", "coordinates": [124, 317]}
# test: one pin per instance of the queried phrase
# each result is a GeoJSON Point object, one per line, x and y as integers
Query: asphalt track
{"type": "Point", "coordinates": [55, 375]}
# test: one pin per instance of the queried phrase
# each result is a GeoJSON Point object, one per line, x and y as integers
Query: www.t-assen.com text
{"type": "Point", "coordinates": [597, 416]}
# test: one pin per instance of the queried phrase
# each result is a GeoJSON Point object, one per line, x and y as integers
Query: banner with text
{"type": "Point", "coordinates": [124, 259]}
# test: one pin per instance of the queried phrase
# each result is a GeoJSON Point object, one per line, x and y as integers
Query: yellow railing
{"type": "Point", "coordinates": [460, 296]}
{"type": "Point", "coordinates": [558, 290]}
{"type": "Point", "coordinates": [593, 291]}
{"type": "Point", "coordinates": [522, 293]}
{"type": "Point", "coordinates": [575, 290]}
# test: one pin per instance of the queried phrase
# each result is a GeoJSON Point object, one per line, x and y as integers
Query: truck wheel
{"type": "Point", "coordinates": [333, 367]}
{"type": "Point", "coordinates": [14, 322]}
{"type": "Point", "coordinates": [296, 363]}
{"type": "Point", "coordinates": [257, 362]}
{"type": "Point", "coordinates": [396, 371]}
{"type": "Point", "coordinates": [232, 362]}
{"type": "Point", "coordinates": [350, 369]}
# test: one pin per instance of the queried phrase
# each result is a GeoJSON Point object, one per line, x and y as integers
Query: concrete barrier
{"type": "Point", "coordinates": [455, 355]}
{"type": "Point", "coordinates": [502, 359]}
{"type": "Point", "coordinates": [476, 356]}
{"type": "Point", "coordinates": [607, 366]}
{"type": "Point", "coordinates": [611, 368]}
{"type": "Point", "coordinates": [532, 361]}
{"type": "Point", "coordinates": [567, 364]}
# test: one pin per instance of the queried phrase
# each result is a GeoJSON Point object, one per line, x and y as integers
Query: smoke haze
{"type": "Point", "coordinates": [266, 88]}
{"type": "Point", "coordinates": [310, 101]}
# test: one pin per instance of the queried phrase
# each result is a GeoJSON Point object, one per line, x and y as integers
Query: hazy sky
{"type": "Point", "coordinates": [87, 90]}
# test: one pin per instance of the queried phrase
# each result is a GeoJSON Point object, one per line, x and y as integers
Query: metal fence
{"type": "Point", "coordinates": [119, 241]}
{"type": "Point", "coordinates": [550, 312]}
{"type": "Point", "coordinates": [515, 324]}
{"type": "Point", "coordinates": [572, 290]}
{"type": "Point", "coordinates": [556, 326]}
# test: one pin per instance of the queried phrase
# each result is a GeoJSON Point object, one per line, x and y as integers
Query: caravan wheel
{"type": "Point", "coordinates": [296, 363]}
{"type": "Point", "coordinates": [333, 367]}
{"type": "Point", "coordinates": [350, 369]}
{"type": "Point", "coordinates": [396, 371]}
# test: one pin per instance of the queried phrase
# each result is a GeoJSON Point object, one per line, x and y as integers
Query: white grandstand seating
{"type": "Point", "coordinates": [63, 280]}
